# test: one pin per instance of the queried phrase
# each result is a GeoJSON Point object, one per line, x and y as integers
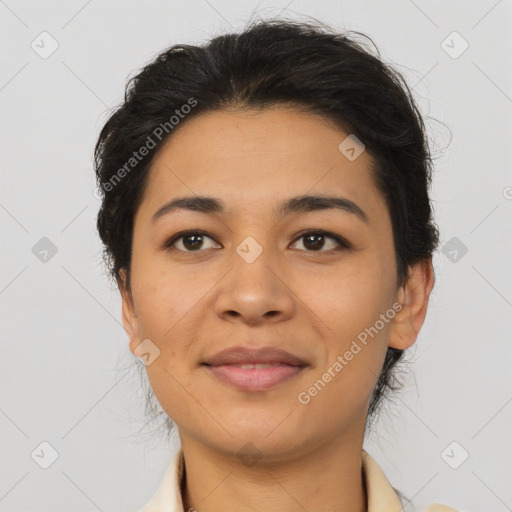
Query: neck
{"type": "Point", "coordinates": [327, 478]}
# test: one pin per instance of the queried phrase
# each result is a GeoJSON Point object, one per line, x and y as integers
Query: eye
{"type": "Point", "coordinates": [315, 241]}
{"type": "Point", "coordinates": [189, 241]}
{"type": "Point", "coordinates": [193, 241]}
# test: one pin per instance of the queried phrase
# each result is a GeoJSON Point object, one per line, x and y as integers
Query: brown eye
{"type": "Point", "coordinates": [189, 241]}
{"type": "Point", "coordinates": [315, 241]}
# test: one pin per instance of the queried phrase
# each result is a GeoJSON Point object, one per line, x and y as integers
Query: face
{"type": "Point", "coordinates": [313, 281]}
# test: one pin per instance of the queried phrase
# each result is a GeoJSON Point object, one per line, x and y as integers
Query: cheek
{"type": "Point", "coordinates": [170, 389]}
{"type": "Point", "coordinates": [348, 299]}
{"type": "Point", "coordinates": [161, 296]}
{"type": "Point", "coordinates": [339, 395]}
{"type": "Point", "coordinates": [355, 308]}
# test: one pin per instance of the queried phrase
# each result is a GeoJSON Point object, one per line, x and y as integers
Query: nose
{"type": "Point", "coordinates": [255, 293]}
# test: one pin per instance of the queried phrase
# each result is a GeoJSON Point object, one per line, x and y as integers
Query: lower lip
{"type": "Point", "coordinates": [254, 379]}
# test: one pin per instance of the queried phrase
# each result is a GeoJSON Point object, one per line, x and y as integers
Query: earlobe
{"type": "Point", "coordinates": [413, 296]}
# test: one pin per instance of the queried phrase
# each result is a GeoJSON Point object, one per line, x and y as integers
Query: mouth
{"type": "Point", "coordinates": [254, 376]}
{"type": "Point", "coordinates": [254, 370]}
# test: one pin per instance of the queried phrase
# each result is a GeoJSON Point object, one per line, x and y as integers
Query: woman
{"type": "Point", "coordinates": [266, 217]}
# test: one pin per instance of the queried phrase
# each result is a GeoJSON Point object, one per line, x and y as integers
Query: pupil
{"type": "Point", "coordinates": [197, 243]}
{"type": "Point", "coordinates": [317, 243]}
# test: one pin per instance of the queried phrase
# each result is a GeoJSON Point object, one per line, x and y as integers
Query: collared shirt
{"type": "Point", "coordinates": [381, 496]}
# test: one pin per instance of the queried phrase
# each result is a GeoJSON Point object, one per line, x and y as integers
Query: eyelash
{"type": "Point", "coordinates": [343, 244]}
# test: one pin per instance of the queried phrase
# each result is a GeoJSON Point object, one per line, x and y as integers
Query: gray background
{"type": "Point", "coordinates": [67, 377]}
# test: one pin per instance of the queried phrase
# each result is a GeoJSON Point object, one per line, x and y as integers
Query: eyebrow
{"type": "Point", "coordinates": [299, 204]}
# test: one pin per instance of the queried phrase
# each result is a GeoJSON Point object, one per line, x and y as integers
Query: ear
{"type": "Point", "coordinates": [129, 316]}
{"type": "Point", "coordinates": [413, 296]}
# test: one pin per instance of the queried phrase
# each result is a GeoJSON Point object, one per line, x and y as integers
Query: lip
{"type": "Point", "coordinates": [230, 366]}
{"type": "Point", "coordinates": [243, 355]}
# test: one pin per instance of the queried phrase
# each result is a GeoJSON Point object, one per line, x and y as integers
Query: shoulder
{"type": "Point", "coordinates": [382, 496]}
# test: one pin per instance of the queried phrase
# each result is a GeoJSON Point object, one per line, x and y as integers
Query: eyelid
{"type": "Point", "coordinates": [181, 234]}
{"type": "Point", "coordinates": [341, 241]}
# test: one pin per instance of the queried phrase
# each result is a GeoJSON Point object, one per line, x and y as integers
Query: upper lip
{"type": "Point", "coordinates": [243, 355]}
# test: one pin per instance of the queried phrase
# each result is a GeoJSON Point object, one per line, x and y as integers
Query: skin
{"type": "Point", "coordinates": [193, 304]}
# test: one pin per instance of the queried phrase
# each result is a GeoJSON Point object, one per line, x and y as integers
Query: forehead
{"type": "Point", "coordinates": [253, 159]}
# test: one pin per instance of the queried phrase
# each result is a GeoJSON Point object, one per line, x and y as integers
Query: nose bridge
{"type": "Point", "coordinates": [253, 288]}
{"type": "Point", "coordinates": [252, 262]}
